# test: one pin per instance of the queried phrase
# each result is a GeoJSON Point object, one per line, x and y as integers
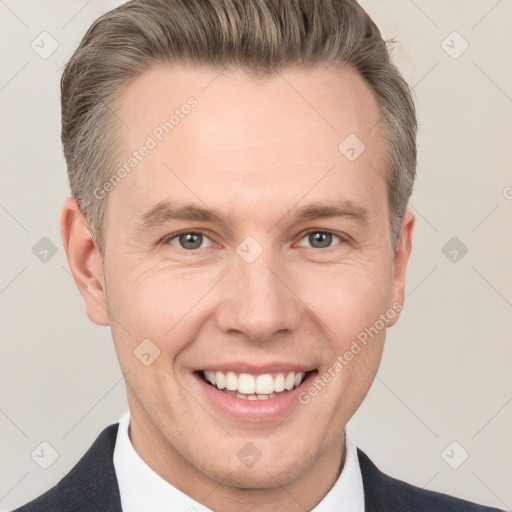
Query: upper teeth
{"type": "Point", "coordinates": [248, 384]}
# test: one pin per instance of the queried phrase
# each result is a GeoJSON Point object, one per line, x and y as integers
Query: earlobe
{"type": "Point", "coordinates": [84, 260]}
{"type": "Point", "coordinates": [401, 258]}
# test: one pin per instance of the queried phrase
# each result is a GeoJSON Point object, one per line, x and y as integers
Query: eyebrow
{"type": "Point", "coordinates": [165, 211]}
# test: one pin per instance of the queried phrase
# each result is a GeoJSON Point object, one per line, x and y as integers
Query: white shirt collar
{"type": "Point", "coordinates": [143, 490]}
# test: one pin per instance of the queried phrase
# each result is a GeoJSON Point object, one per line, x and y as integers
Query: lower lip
{"type": "Point", "coordinates": [255, 410]}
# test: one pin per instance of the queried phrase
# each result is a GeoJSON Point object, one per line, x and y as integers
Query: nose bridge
{"type": "Point", "coordinates": [257, 300]}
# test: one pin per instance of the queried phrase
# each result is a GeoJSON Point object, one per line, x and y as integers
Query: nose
{"type": "Point", "coordinates": [258, 300]}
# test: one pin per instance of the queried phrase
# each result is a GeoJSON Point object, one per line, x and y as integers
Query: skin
{"type": "Point", "coordinates": [257, 151]}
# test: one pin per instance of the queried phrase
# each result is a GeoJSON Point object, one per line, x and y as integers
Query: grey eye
{"type": "Point", "coordinates": [188, 240]}
{"type": "Point", "coordinates": [323, 239]}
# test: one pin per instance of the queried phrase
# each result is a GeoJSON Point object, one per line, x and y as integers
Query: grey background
{"type": "Point", "coordinates": [445, 375]}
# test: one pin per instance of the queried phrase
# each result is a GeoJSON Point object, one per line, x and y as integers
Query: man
{"type": "Point", "coordinates": [240, 173]}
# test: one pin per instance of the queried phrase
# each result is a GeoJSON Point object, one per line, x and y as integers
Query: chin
{"type": "Point", "coordinates": [277, 470]}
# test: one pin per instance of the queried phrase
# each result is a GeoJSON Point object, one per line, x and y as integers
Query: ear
{"type": "Point", "coordinates": [84, 260]}
{"type": "Point", "coordinates": [401, 259]}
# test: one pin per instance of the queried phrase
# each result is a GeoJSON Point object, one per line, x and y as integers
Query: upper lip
{"type": "Point", "coordinates": [244, 367]}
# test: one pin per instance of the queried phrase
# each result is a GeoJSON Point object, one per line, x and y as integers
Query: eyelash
{"type": "Point", "coordinates": [168, 239]}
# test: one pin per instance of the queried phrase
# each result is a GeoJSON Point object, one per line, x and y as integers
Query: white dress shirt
{"type": "Point", "coordinates": [143, 490]}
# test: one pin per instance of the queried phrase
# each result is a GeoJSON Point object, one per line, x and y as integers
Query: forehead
{"type": "Point", "coordinates": [249, 140]}
{"type": "Point", "coordinates": [328, 101]}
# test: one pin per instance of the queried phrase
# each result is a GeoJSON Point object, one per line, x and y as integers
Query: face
{"type": "Point", "coordinates": [245, 251]}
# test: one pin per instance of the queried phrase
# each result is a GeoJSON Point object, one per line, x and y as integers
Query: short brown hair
{"type": "Point", "coordinates": [259, 36]}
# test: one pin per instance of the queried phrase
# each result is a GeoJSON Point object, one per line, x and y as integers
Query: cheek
{"type": "Point", "coordinates": [148, 299]}
{"type": "Point", "coordinates": [160, 305]}
{"type": "Point", "coordinates": [348, 299]}
{"type": "Point", "coordinates": [167, 305]}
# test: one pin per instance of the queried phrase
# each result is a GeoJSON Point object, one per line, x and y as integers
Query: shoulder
{"type": "Point", "coordinates": [383, 492]}
{"type": "Point", "coordinates": [91, 484]}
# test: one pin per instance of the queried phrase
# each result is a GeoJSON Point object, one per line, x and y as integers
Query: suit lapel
{"type": "Point", "coordinates": [381, 491]}
{"type": "Point", "coordinates": [92, 483]}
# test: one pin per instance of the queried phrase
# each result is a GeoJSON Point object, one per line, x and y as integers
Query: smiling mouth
{"type": "Point", "coordinates": [254, 387]}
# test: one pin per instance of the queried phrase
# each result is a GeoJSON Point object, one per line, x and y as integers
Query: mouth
{"type": "Point", "coordinates": [251, 394]}
{"type": "Point", "coordinates": [247, 386]}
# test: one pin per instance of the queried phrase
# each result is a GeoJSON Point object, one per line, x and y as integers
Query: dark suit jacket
{"type": "Point", "coordinates": [91, 485]}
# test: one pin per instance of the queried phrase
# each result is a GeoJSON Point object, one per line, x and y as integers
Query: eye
{"type": "Point", "coordinates": [193, 240]}
{"type": "Point", "coordinates": [188, 240]}
{"type": "Point", "coordinates": [321, 239]}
